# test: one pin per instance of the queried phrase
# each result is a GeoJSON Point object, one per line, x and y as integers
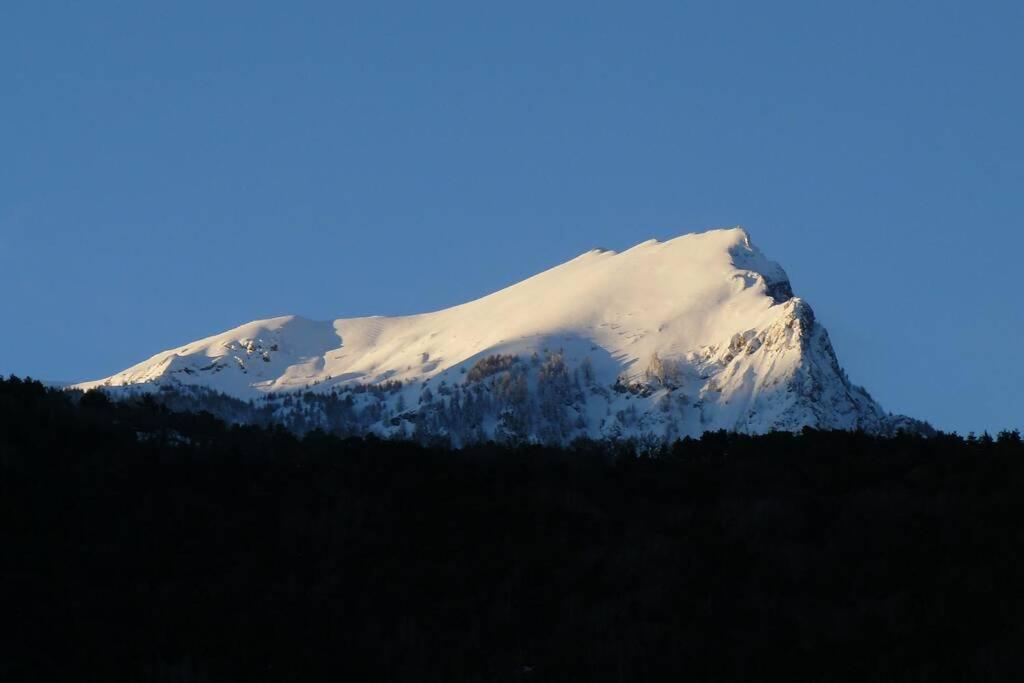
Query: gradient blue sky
{"type": "Point", "coordinates": [171, 170]}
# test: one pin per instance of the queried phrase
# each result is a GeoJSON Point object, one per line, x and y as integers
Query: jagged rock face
{"type": "Point", "coordinates": [661, 341]}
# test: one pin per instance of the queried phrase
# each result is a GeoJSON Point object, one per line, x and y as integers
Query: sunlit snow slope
{"type": "Point", "coordinates": [666, 339]}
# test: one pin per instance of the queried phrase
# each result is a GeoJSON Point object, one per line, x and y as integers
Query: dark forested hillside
{"type": "Point", "coordinates": [141, 544]}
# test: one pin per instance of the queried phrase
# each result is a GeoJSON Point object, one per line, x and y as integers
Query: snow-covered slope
{"type": "Point", "coordinates": [698, 333]}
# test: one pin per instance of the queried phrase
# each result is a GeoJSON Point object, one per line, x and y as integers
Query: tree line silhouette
{"type": "Point", "coordinates": [151, 545]}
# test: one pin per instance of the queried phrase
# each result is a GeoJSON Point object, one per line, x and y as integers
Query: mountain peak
{"type": "Point", "coordinates": [698, 332]}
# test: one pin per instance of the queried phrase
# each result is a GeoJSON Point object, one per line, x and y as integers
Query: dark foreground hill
{"type": "Point", "coordinates": [145, 545]}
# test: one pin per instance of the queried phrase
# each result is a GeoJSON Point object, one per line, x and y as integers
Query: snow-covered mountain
{"type": "Point", "coordinates": [663, 340]}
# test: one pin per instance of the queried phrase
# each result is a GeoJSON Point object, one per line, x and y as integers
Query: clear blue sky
{"type": "Point", "coordinates": [170, 170]}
